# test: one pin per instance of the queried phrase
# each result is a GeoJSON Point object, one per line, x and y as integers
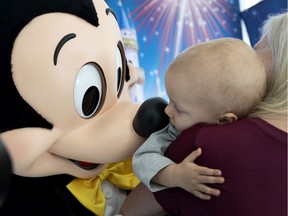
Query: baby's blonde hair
{"type": "Point", "coordinates": [227, 74]}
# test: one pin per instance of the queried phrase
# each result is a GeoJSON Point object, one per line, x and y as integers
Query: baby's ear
{"type": "Point", "coordinates": [227, 118]}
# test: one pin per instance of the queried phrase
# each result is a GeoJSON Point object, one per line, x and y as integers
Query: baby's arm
{"type": "Point", "coordinates": [149, 158]}
{"type": "Point", "coordinates": [147, 161]}
{"type": "Point", "coordinates": [190, 177]}
{"type": "Point", "coordinates": [158, 172]}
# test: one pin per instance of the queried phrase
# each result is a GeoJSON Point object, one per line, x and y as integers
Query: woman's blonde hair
{"type": "Point", "coordinates": [274, 32]}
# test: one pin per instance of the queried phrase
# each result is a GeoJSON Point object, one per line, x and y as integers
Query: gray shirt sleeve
{"type": "Point", "coordinates": [149, 159]}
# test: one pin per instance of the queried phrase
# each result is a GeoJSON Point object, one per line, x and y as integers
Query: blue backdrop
{"type": "Point", "coordinates": [165, 27]}
{"type": "Point", "coordinates": [254, 16]}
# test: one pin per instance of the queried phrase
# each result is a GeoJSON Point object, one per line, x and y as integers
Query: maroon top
{"type": "Point", "coordinates": [252, 156]}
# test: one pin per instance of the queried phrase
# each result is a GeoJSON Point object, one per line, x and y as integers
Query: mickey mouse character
{"type": "Point", "coordinates": [66, 117]}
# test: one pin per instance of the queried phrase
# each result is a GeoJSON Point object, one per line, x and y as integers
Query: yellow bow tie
{"type": "Point", "coordinates": [89, 192]}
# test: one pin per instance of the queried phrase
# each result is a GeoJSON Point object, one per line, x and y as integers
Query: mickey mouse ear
{"type": "Point", "coordinates": [15, 14]}
{"type": "Point", "coordinates": [6, 172]}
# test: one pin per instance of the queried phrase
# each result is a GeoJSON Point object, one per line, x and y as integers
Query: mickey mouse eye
{"type": "Point", "coordinates": [121, 68]}
{"type": "Point", "coordinates": [89, 90]}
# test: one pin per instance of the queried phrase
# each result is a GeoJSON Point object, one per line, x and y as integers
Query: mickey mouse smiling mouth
{"type": "Point", "coordinates": [85, 165]}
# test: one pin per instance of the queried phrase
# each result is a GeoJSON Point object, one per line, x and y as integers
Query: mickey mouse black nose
{"type": "Point", "coordinates": [150, 117]}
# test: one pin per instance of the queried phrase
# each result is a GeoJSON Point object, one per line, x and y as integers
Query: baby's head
{"type": "Point", "coordinates": [214, 82]}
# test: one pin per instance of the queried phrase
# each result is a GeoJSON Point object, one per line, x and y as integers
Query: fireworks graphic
{"type": "Point", "coordinates": [167, 27]}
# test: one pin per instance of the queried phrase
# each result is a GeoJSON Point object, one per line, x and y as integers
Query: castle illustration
{"type": "Point", "coordinates": [132, 52]}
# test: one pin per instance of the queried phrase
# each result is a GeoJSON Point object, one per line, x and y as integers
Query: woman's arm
{"type": "Point", "coordinates": [141, 202]}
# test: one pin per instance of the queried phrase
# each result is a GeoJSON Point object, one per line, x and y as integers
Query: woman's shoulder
{"type": "Point", "coordinates": [248, 128]}
{"type": "Point", "coordinates": [240, 124]}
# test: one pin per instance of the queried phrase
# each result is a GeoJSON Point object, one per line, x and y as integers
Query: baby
{"type": "Point", "coordinates": [215, 82]}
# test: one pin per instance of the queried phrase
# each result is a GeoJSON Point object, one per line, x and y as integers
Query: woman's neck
{"type": "Point", "coordinates": [279, 122]}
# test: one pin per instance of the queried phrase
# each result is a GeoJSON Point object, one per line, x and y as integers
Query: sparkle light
{"type": "Point", "coordinates": [180, 23]}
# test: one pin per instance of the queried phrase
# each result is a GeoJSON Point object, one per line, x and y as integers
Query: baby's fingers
{"type": "Point", "coordinates": [201, 195]}
{"type": "Point", "coordinates": [210, 179]}
{"type": "Point", "coordinates": [208, 171]}
{"type": "Point", "coordinates": [192, 156]}
{"type": "Point", "coordinates": [208, 190]}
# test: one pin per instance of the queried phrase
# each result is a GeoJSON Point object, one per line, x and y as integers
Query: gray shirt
{"type": "Point", "coordinates": [149, 159]}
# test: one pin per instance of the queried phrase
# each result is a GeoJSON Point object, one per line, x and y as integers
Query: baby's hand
{"type": "Point", "coordinates": [194, 178]}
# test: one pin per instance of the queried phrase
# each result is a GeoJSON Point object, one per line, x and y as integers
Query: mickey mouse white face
{"type": "Point", "coordinates": [74, 75]}
{"type": "Point", "coordinates": [64, 73]}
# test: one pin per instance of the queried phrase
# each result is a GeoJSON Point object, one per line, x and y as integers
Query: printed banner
{"type": "Point", "coordinates": [155, 31]}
